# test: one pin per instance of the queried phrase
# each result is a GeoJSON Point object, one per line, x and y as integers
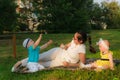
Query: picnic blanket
{"type": "Point", "coordinates": [23, 69]}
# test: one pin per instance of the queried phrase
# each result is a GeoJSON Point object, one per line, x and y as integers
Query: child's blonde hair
{"type": "Point", "coordinates": [105, 43]}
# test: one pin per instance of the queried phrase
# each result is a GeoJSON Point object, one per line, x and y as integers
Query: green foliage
{"type": "Point", "coordinates": [112, 14]}
{"type": "Point", "coordinates": [96, 16]}
{"type": "Point", "coordinates": [105, 14]}
{"type": "Point", "coordinates": [7, 15]}
{"type": "Point", "coordinates": [67, 15]}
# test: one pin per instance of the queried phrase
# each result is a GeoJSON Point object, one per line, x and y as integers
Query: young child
{"type": "Point", "coordinates": [33, 53]}
{"type": "Point", "coordinates": [106, 61]}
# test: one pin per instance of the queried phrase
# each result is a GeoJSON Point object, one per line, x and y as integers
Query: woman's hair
{"type": "Point", "coordinates": [83, 36]}
{"type": "Point", "coordinates": [91, 48]}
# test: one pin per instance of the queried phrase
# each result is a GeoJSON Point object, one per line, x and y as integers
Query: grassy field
{"type": "Point", "coordinates": [7, 60]}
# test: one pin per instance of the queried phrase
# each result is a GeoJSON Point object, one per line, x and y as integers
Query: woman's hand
{"type": "Point", "coordinates": [62, 46]}
{"type": "Point", "coordinates": [65, 64]}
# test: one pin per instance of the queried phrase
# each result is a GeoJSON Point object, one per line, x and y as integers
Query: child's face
{"type": "Point", "coordinates": [102, 47]}
{"type": "Point", "coordinates": [31, 42]}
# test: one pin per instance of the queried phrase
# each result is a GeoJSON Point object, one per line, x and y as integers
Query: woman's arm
{"type": "Point", "coordinates": [111, 61]}
{"type": "Point", "coordinates": [66, 64]}
{"type": "Point", "coordinates": [82, 59]}
{"type": "Point", "coordinates": [65, 46]}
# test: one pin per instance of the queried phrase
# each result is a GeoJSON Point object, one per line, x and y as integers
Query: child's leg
{"type": "Point", "coordinates": [24, 61]}
{"type": "Point", "coordinates": [85, 65]}
{"type": "Point", "coordinates": [16, 67]}
{"type": "Point", "coordinates": [100, 67]}
{"type": "Point", "coordinates": [40, 67]}
{"type": "Point", "coordinates": [32, 67]}
{"type": "Point", "coordinates": [91, 65]}
{"type": "Point", "coordinates": [50, 54]}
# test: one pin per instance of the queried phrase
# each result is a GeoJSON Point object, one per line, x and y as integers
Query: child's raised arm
{"type": "Point", "coordinates": [46, 44]}
{"type": "Point", "coordinates": [37, 41]}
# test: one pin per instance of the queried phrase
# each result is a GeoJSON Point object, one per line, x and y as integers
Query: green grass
{"type": "Point", "coordinates": [7, 60]}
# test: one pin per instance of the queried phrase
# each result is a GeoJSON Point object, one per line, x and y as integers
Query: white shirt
{"type": "Point", "coordinates": [72, 53]}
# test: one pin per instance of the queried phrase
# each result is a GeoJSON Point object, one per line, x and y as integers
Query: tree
{"type": "Point", "coordinates": [8, 15]}
{"type": "Point", "coordinates": [28, 15]}
{"type": "Point", "coordinates": [66, 15]}
{"type": "Point", "coordinates": [97, 16]}
{"type": "Point", "coordinates": [112, 14]}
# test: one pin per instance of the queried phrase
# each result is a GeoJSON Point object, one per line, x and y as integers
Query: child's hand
{"type": "Point", "coordinates": [40, 35]}
{"type": "Point", "coordinates": [50, 42]}
{"type": "Point", "coordinates": [112, 68]}
{"type": "Point", "coordinates": [46, 44]}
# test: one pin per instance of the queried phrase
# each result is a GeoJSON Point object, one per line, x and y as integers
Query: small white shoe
{"type": "Point", "coordinates": [13, 69]}
{"type": "Point", "coordinates": [16, 67]}
{"type": "Point", "coordinates": [81, 65]}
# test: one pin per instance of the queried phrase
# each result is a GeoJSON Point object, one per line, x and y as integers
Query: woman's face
{"type": "Point", "coordinates": [75, 38]}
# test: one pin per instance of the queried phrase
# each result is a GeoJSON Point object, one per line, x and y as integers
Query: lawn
{"type": "Point", "coordinates": [7, 60]}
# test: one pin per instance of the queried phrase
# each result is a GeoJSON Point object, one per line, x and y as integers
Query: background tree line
{"type": "Point", "coordinates": [60, 16]}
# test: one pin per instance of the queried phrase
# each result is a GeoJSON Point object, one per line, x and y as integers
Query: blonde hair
{"type": "Point", "coordinates": [105, 43]}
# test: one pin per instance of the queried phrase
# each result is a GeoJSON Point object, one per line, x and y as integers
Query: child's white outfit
{"type": "Point", "coordinates": [33, 66]}
{"type": "Point", "coordinates": [33, 57]}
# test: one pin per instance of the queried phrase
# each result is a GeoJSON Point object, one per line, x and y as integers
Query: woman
{"type": "Point", "coordinates": [65, 55]}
